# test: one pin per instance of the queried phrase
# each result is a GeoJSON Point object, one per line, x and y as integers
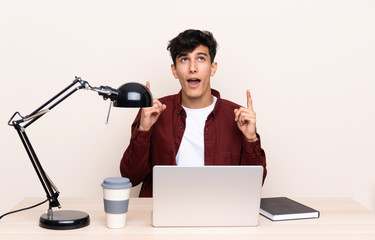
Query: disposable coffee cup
{"type": "Point", "coordinates": [116, 200]}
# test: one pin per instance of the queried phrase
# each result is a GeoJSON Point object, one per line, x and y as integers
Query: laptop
{"type": "Point", "coordinates": [206, 196]}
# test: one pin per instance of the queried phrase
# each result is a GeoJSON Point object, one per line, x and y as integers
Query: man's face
{"type": "Point", "coordinates": [194, 71]}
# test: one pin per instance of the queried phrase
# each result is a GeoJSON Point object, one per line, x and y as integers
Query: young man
{"type": "Point", "coordinates": [194, 127]}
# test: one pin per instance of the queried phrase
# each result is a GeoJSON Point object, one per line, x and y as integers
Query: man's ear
{"type": "Point", "coordinates": [174, 72]}
{"type": "Point", "coordinates": [213, 68]}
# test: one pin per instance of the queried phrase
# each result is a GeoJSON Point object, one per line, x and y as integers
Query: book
{"type": "Point", "coordinates": [283, 208]}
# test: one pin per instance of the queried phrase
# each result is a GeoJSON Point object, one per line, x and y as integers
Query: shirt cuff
{"type": "Point", "coordinates": [252, 147]}
{"type": "Point", "coordinates": [141, 135]}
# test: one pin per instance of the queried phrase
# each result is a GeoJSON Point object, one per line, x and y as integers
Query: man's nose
{"type": "Point", "coordinates": [193, 67]}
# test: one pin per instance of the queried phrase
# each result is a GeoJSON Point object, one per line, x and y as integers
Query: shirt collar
{"type": "Point", "coordinates": [180, 109]}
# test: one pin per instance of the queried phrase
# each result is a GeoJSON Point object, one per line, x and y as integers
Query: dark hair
{"type": "Point", "coordinates": [188, 40]}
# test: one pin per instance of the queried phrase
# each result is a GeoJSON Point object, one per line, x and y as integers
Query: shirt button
{"type": "Point", "coordinates": [181, 127]}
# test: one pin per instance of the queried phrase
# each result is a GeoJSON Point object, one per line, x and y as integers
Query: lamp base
{"type": "Point", "coordinates": [64, 220]}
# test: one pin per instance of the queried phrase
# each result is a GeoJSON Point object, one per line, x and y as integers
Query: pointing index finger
{"type": "Point", "coordinates": [249, 100]}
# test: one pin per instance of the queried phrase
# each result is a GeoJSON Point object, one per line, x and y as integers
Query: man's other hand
{"type": "Point", "coordinates": [150, 115]}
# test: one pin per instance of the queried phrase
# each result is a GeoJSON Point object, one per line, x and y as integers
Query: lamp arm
{"type": "Point", "coordinates": [39, 112]}
{"type": "Point", "coordinates": [48, 186]}
{"type": "Point", "coordinates": [51, 190]}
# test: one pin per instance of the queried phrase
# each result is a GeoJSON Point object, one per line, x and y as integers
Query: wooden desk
{"type": "Point", "coordinates": [340, 219]}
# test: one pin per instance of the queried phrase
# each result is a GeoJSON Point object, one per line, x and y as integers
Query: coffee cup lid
{"type": "Point", "coordinates": [116, 183]}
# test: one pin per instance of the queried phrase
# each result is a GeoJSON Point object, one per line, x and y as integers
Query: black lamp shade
{"type": "Point", "coordinates": [133, 95]}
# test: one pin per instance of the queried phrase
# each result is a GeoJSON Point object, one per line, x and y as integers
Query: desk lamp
{"type": "Point", "coordinates": [127, 95]}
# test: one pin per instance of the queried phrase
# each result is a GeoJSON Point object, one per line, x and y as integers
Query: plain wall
{"type": "Point", "coordinates": [310, 67]}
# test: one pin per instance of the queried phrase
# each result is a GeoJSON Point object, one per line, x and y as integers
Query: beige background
{"type": "Point", "coordinates": [310, 66]}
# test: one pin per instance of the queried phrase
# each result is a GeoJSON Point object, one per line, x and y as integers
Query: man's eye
{"type": "Point", "coordinates": [184, 59]}
{"type": "Point", "coordinates": [201, 58]}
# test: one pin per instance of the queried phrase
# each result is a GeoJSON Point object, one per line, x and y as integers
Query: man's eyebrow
{"type": "Point", "coordinates": [202, 53]}
{"type": "Point", "coordinates": [182, 55]}
{"type": "Point", "coordinates": [197, 54]}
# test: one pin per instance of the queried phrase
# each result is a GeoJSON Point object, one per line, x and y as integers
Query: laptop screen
{"type": "Point", "coordinates": [206, 196]}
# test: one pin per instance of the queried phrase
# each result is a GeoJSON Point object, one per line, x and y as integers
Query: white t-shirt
{"type": "Point", "coordinates": [191, 151]}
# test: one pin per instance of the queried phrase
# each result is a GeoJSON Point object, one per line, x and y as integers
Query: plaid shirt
{"type": "Point", "coordinates": [224, 143]}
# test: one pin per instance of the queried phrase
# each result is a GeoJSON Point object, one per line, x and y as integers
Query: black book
{"type": "Point", "coordinates": [283, 208]}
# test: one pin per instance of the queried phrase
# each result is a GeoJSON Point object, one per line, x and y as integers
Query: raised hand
{"type": "Point", "coordinates": [246, 119]}
{"type": "Point", "coordinates": [150, 115]}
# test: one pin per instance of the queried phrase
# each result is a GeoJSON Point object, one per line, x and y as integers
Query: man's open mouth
{"type": "Point", "coordinates": [194, 81]}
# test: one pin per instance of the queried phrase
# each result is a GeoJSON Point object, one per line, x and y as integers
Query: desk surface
{"type": "Point", "coordinates": [340, 219]}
